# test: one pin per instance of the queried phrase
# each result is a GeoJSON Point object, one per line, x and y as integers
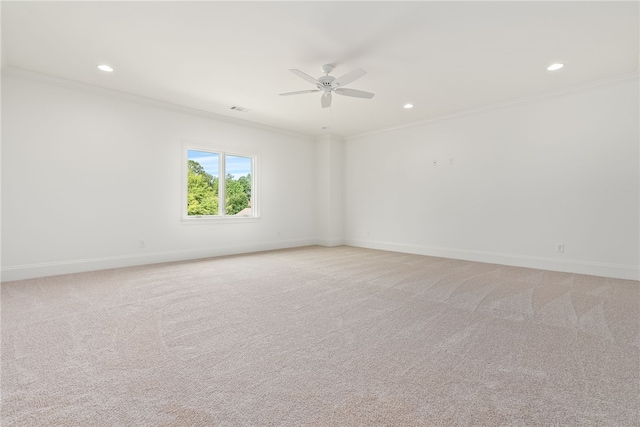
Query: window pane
{"type": "Point", "coordinates": [202, 184]}
{"type": "Point", "coordinates": [238, 185]}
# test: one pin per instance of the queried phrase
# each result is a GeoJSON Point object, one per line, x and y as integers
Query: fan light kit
{"type": "Point", "coordinates": [328, 85]}
{"type": "Point", "coordinates": [554, 67]}
{"type": "Point", "coordinates": [105, 67]}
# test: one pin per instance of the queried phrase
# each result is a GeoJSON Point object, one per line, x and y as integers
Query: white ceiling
{"type": "Point", "coordinates": [444, 57]}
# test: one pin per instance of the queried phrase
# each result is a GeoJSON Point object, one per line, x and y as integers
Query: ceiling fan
{"type": "Point", "coordinates": [328, 84]}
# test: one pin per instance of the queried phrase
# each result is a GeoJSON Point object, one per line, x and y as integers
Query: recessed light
{"type": "Point", "coordinates": [105, 67]}
{"type": "Point", "coordinates": [407, 106]}
{"type": "Point", "coordinates": [554, 67]}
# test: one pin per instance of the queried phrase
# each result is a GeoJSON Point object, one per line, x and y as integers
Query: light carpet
{"type": "Point", "coordinates": [321, 337]}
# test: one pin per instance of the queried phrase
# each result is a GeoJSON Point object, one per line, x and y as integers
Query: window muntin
{"type": "Point", "coordinates": [206, 197]}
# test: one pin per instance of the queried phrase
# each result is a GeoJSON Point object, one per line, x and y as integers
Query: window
{"type": "Point", "coordinates": [208, 195]}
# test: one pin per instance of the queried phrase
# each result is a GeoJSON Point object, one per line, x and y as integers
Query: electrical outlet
{"type": "Point", "coordinates": [368, 233]}
{"type": "Point", "coordinates": [560, 248]}
{"type": "Point", "coordinates": [451, 161]}
{"type": "Point", "coordinates": [143, 244]}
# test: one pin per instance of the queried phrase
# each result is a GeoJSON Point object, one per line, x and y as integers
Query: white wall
{"type": "Point", "coordinates": [329, 189]}
{"type": "Point", "coordinates": [86, 176]}
{"type": "Point", "coordinates": [562, 169]}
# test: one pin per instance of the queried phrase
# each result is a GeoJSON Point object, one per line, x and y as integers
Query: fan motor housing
{"type": "Point", "coordinates": [324, 82]}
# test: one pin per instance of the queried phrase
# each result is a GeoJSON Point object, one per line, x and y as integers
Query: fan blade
{"type": "Point", "coordinates": [355, 93]}
{"type": "Point", "coordinates": [300, 92]}
{"type": "Point", "coordinates": [326, 99]}
{"type": "Point", "coordinates": [349, 77]}
{"type": "Point", "coordinates": [304, 76]}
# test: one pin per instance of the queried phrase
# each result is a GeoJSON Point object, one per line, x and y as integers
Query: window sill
{"type": "Point", "coordinates": [218, 219]}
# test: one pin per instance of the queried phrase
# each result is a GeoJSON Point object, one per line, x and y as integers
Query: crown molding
{"type": "Point", "coordinates": [612, 81]}
{"type": "Point", "coordinates": [97, 90]}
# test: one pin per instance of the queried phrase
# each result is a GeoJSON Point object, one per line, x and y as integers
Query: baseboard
{"type": "Point", "coordinates": [628, 272]}
{"type": "Point", "coordinates": [330, 242]}
{"type": "Point", "coordinates": [30, 271]}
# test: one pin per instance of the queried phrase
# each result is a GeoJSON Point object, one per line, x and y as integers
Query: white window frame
{"type": "Point", "coordinates": [222, 216]}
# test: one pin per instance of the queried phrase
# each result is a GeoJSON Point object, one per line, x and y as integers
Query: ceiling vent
{"type": "Point", "coordinates": [244, 110]}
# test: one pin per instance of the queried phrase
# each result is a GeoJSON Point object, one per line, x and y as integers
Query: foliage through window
{"type": "Point", "coordinates": [205, 194]}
